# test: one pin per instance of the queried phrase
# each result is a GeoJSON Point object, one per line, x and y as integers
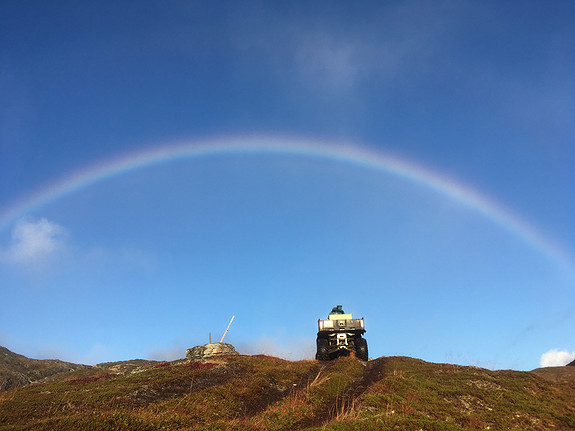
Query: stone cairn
{"type": "Point", "coordinates": [210, 350]}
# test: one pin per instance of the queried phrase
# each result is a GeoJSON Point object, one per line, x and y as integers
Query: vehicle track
{"type": "Point", "coordinates": [373, 372]}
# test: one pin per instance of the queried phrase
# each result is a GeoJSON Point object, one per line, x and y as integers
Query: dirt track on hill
{"type": "Point", "coordinates": [277, 393]}
{"type": "Point", "coordinates": [373, 372]}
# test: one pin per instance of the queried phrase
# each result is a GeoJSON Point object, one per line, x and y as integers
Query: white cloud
{"type": "Point", "coordinates": [293, 349]}
{"type": "Point", "coordinates": [138, 258]}
{"type": "Point", "coordinates": [177, 351]}
{"type": "Point", "coordinates": [556, 358]}
{"type": "Point", "coordinates": [91, 355]}
{"type": "Point", "coordinates": [329, 63]}
{"type": "Point", "coordinates": [98, 353]}
{"type": "Point", "coordinates": [35, 243]}
{"type": "Point", "coordinates": [325, 54]}
{"type": "Point", "coordinates": [336, 58]}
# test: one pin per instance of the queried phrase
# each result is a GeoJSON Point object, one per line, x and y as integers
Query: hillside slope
{"type": "Point", "coordinates": [261, 393]}
{"type": "Point", "coordinates": [17, 370]}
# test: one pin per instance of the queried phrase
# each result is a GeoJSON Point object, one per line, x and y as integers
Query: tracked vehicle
{"type": "Point", "coordinates": [340, 335]}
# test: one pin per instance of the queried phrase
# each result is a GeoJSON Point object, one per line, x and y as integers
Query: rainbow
{"type": "Point", "coordinates": [341, 153]}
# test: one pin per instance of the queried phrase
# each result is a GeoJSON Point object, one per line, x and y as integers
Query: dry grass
{"type": "Point", "coordinates": [266, 393]}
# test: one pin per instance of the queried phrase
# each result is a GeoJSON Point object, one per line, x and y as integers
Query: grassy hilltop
{"type": "Point", "coordinates": [266, 393]}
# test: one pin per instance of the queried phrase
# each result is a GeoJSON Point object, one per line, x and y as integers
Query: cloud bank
{"type": "Point", "coordinates": [294, 349]}
{"type": "Point", "coordinates": [556, 358]}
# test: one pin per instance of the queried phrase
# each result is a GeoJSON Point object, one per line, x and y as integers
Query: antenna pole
{"type": "Point", "coordinates": [229, 324]}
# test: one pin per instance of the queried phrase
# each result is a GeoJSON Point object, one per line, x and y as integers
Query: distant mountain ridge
{"type": "Point", "coordinates": [18, 370]}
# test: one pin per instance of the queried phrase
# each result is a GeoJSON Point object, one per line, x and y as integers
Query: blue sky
{"type": "Point", "coordinates": [105, 257]}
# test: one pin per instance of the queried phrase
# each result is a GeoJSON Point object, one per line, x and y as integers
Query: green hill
{"type": "Point", "coordinates": [261, 393]}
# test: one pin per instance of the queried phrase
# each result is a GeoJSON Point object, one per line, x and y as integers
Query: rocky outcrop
{"type": "Point", "coordinates": [210, 350]}
{"type": "Point", "coordinates": [127, 367]}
